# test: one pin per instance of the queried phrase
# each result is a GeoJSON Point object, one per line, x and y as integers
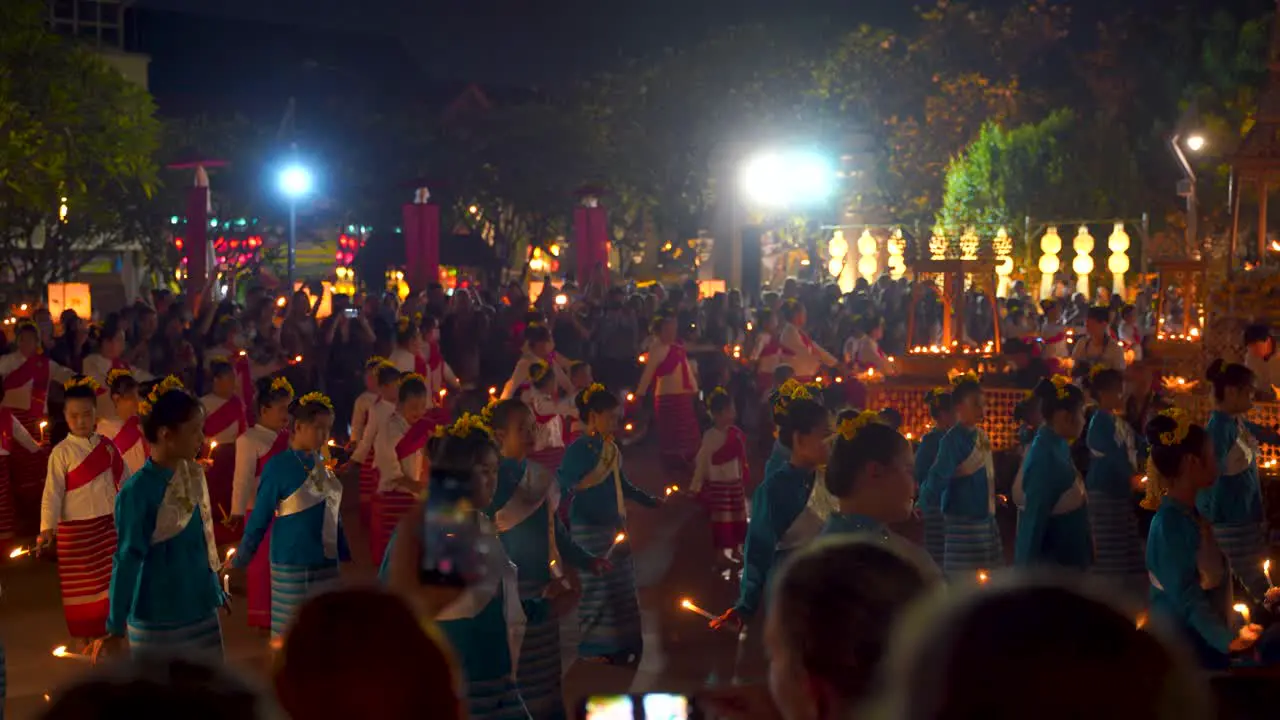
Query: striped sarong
{"type": "Point", "coordinates": [971, 545]}
{"type": "Point", "coordinates": [609, 611]}
{"type": "Point", "coordinates": [291, 586]}
{"type": "Point", "coordinates": [1117, 548]}
{"type": "Point", "coordinates": [678, 431]}
{"type": "Point", "coordinates": [86, 549]}
{"type": "Point", "coordinates": [935, 535]}
{"type": "Point", "coordinates": [200, 639]}
{"type": "Point", "coordinates": [540, 670]}
{"type": "Point", "coordinates": [388, 508]}
{"type": "Point", "coordinates": [258, 582]}
{"type": "Point", "coordinates": [495, 700]}
{"type": "Point", "coordinates": [1245, 549]}
{"type": "Point", "coordinates": [368, 486]}
{"type": "Point", "coordinates": [8, 522]}
{"type": "Point", "coordinates": [727, 506]}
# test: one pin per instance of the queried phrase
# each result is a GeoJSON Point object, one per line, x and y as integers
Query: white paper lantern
{"type": "Point", "coordinates": [838, 247]}
{"type": "Point", "coordinates": [1050, 245]}
{"type": "Point", "coordinates": [1082, 264]}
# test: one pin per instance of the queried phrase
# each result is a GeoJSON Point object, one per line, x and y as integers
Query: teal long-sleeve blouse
{"type": "Point", "coordinates": [1236, 497]}
{"type": "Point", "coordinates": [296, 539]}
{"type": "Point", "coordinates": [929, 496]}
{"type": "Point", "coordinates": [1173, 562]}
{"type": "Point", "coordinates": [964, 496]}
{"type": "Point", "coordinates": [776, 503]}
{"type": "Point", "coordinates": [1044, 538]}
{"type": "Point", "coordinates": [168, 582]}
{"type": "Point", "coordinates": [854, 524]}
{"type": "Point", "coordinates": [1113, 456]}
{"type": "Point", "coordinates": [527, 543]}
{"type": "Point", "coordinates": [597, 505]}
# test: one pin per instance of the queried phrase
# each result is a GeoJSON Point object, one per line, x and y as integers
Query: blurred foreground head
{"type": "Point", "coordinates": [1040, 649]}
{"type": "Point", "coordinates": [833, 612]}
{"type": "Point", "coordinates": [362, 653]}
{"type": "Point", "coordinates": [150, 687]}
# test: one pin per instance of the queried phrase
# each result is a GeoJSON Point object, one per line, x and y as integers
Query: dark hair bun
{"type": "Point", "coordinates": [1217, 369]}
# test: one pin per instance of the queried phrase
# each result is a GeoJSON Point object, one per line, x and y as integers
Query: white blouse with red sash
{"type": "Point", "coordinates": [549, 418]}
{"type": "Point", "coordinates": [438, 373]}
{"type": "Point", "coordinates": [245, 374]}
{"type": "Point", "coordinates": [126, 435]}
{"type": "Point", "coordinates": [254, 448]}
{"type": "Point", "coordinates": [26, 381]}
{"type": "Point", "coordinates": [11, 431]}
{"type": "Point", "coordinates": [400, 450]}
{"type": "Point", "coordinates": [98, 367]}
{"type": "Point", "coordinates": [224, 418]}
{"type": "Point", "coordinates": [84, 475]}
{"type": "Point", "coordinates": [411, 362]}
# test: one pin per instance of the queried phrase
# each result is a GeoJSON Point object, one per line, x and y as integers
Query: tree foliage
{"type": "Point", "coordinates": [74, 129]}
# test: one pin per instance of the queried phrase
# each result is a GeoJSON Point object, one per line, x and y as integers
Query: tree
{"type": "Point", "coordinates": [79, 136]}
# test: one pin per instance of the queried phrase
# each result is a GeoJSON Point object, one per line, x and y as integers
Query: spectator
{"type": "Point", "coordinates": [148, 688]}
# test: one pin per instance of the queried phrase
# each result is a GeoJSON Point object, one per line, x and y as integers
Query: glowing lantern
{"type": "Point", "coordinates": [838, 247]}
{"type": "Point", "coordinates": [839, 266]}
{"type": "Point", "coordinates": [1082, 264]}
{"type": "Point", "coordinates": [896, 245]}
{"type": "Point", "coordinates": [1050, 246]}
{"type": "Point", "coordinates": [969, 244]}
{"type": "Point", "coordinates": [868, 263]}
{"type": "Point", "coordinates": [937, 245]}
{"type": "Point", "coordinates": [1003, 246]}
{"type": "Point", "coordinates": [1118, 263]}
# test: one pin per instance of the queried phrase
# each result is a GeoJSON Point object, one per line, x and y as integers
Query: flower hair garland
{"type": "Point", "coordinates": [849, 428]}
{"type": "Point", "coordinates": [282, 383]}
{"type": "Point", "coordinates": [1179, 432]}
{"type": "Point", "coordinates": [376, 362]}
{"type": "Point", "coordinates": [317, 398]}
{"type": "Point", "coordinates": [538, 370]}
{"type": "Point", "coordinates": [958, 377]}
{"type": "Point", "coordinates": [468, 424]}
{"type": "Point", "coordinates": [718, 391]}
{"type": "Point", "coordinates": [1062, 385]}
{"type": "Point", "coordinates": [117, 373]}
{"type": "Point", "coordinates": [1097, 368]}
{"type": "Point", "coordinates": [162, 388]}
{"type": "Point", "coordinates": [412, 376]}
{"type": "Point", "coordinates": [592, 389]}
{"type": "Point", "coordinates": [81, 381]}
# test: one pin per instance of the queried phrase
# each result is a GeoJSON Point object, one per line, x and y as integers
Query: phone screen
{"type": "Point", "coordinates": [665, 706]}
{"type": "Point", "coordinates": [610, 707]}
{"type": "Point", "coordinates": [650, 706]}
{"type": "Point", "coordinates": [451, 553]}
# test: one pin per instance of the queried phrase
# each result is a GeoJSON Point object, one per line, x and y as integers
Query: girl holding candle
{"type": "Point", "coordinates": [400, 454]}
{"type": "Point", "coordinates": [1112, 479]}
{"type": "Point", "coordinates": [1190, 577]}
{"type": "Point", "coordinates": [298, 503]}
{"type": "Point", "coordinates": [165, 591]}
{"type": "Point", "coordinates": [675, 389]}
{"type": "Point", "coordinates": [548, 416]}
{"type": "Point", "coordinates": [720, 475]}
{"type": "Point", "coordinates": [870, 476]}
{"type": "Point", "coordinates": [438, 373]}
{"type": "Point", "coordinates": [964, 472]}
{"type": "Point", "coordinates": [798, 350]}
{"type": "Point", "coordinates": [386, 383]}
{"type": "Point", "coordinates": [609, 612]}
{"type": "Point", "coordinates": [11, 432]}
{"type": "Point", "coordinates": [266, 439]}
{"type": "Point", "coordinates": [523, 510]}
{"type": "Point", "coordinates": [1234, 503]}
{"type": "Point", "coordinates": [787, 510]}
{"type": "Point", "coordinates": [85, 471]}
{"type": "Point", "coordinates": [229, 350]}
{"type": "Point", "coordinates": [225, 420]}
{"type": "Point", "coordinates": [124, 429]}
{"type": "Point", "coordinates": [1053, 526]}
{"type": "Point", "coordinates": [929, 498]}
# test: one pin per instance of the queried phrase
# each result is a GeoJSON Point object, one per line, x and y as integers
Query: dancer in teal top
{"type": "Point", "coordinates": [609, 611]}
{"type": "Point", "coordinates": [1112, 479]}
{"type": "Point", "coordinates": [165, 591]}
{"type": "Point", "coordinates": [1234, 503]}
{"type": "Point", "coordinates": [523, 509]}
{"type": "Point", "coordinates": [929, 498]}
{"type": "Point", "coordinates": [965, 473]}
{"type": "Point", "coordinates": [1190, 578]}
{"type": "Point", "coordinates": [870, 476]}
{"type": "Point", "coordinates": [1053, 527]}
{"type": "Point", "coordinates": [784, 515]}
{"type": "Point", "coordinates": [298, 502]}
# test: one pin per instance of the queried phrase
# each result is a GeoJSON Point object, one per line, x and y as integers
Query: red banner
{"type": "Point", "coordinates": [421, 244]}
{"type": "Point", "coordinates": [591, 244]}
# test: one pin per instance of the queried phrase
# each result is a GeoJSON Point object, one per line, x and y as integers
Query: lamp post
{"type": "Point", "coordinates": [788, 180]}
{"type": "Point", "coordinates": [1187, 187]}
{"type": "Point", "coordinates": [295, 182]}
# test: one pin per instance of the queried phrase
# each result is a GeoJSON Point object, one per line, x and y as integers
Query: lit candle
{"type": "Point", "coordinates": [1266, 570]}
{"type": "Point", "coordinates": [62, 652]}
{"type": "Point", "coordinates": [213, 445]}
{"type": "Point", "coordinates": [243, 353]}
{"type": "Point", "coordinates": [687, 604]}
{"type": "Point", "coordinates": [983, 577]}
{"type": "Point", "coordinates": [644, 358]}
{"type": "Point", "coordinates": [331, 443]}
{"type": "Point", "coordinates": [493, 391]}
{"type": "Point", "coordinates": [617, 540]}
{"type": "Point", "coordinates": [628, 427]}
{"type": "Point", "coordinates": [226, 584]}
{"type": "Point", "coordinates": [631, 397]}
{"type": "Point", "coordinates": [673, 489]}
{"type": "Point", "coordinates": [19, 552]}
{"type": "Point", "coordinates": [43, 424]}
{"type": "Point", "coordinates": [443, 392]}
{"type": "Point", "coordinates": [1243, 610]}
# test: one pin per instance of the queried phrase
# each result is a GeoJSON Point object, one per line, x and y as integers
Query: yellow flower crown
{"type": "Point", "coordinates": [592, 389]}
{"type": "Point", "coordinates": [116, 374]}
{"type": "Point", "coordinates": [375, 362]}
{"type": "Point", "coordinates": [26, 323]}
{"type": "Point", "coordinates": [537, 371]}
{"type": "Point", "coordinates": [849, 428]}
{"type": "Point", "coordinates": [162, 388]}
{"type": "Point", "coordinates": [1178, 433]}
{"type": "Point", "coordinates": [282, 383]}
{"type": "Point", "coordinates": [957, 376]}
{"type": "Point", "coordinates": [1062, 384]}
{"type": "Point", "coordinates": [81, 381]}
{"type": "Point", "coordinates": [1093, 371]}
{"type": "Point", "coordinates": [718, 391]}
{"type": "Point", "coordinates": [787, 387]}
{"type": "Point", "coordinates": [464, 426]}
{"type": "Point", "coordinates": [317, 398]}
{"type": "Point", "coordinates": [487, 413]}
{"type": "Point", "coordinates": [932, 396]}
{"type": "Point", "coordinates": [403, 324]}
{"type": "Point", "coordinates": [806, 391]}
{"type": "Point", "coordinates": [412, 376]}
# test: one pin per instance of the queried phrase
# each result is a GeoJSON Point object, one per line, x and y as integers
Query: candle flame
{"type": "Point", "coordinates": [443, 392]}
{"type": "Point", "coordinates": [213, 445]}
{"type": "Point", "coordinates": [281, 302]}
{"type": "Point", "coordinates": [983, 577]}
{"type": "Point", "coordinates": [673, 489]}
{"type": "Point", "coordinates": [619, 538]}
{"type": "Point", "coordinates": [839, 379]}
{"type": "Point", "coordinates": [1243, 610]}
{"type": "Point", "coordinates": [331, 443]}
{"type": "Point", "coordinates": [230, 552]}
{"type": "Point", "coordinates": [44, 424]}
{"type": "Point", "coordinates": [631, 397]}
{"type": "Point", "coordinates": [493, 391]}
{"type": "Point", "coordinates": [628, 427]}
{"type": "Point", "coordinates": [60, 651]}
{"type": "Point", "coordinates": [19, 552]}
{"type": "Point", "coordinates": [644, 358]}
{"type": "Point", "coordinates": [1266, 571]}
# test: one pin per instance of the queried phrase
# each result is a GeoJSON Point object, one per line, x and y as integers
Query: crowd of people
{"type": "Point", "coordinates": [182, 451]}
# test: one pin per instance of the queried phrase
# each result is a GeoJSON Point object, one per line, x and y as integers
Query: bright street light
{"type": "Point", "coordinates": [295, 181]}
{"type": "Point", "coordinates": [788, 179]}
{"type": "Point", "coordinates": [1195, 143]}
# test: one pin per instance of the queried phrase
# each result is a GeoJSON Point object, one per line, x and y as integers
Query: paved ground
{"type": "Point", "coordinates": [673, 560]}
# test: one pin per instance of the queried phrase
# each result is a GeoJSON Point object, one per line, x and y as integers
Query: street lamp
{"type": "Point", "coordinates": [788, 179]}
{"type": "Point", "coordinates": [1195, 143]}
{"type": "Point", "coordinates": [295, 182]}
{"type": "Point", "coordinates": [1187, 186]}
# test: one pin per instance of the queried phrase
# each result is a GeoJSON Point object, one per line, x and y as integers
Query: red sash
{"type": "Point", "coordinates": [231, 411]}
{"type": "Point", "coordinates": [773, 347]}
{"type": "Point", "coordinates": [101, 459]}
{"type": "Point", "coordinates": [415, 439]}
{"type": "Point", "coordinates": [419, 365]}
{"type": "Point", "coordinates": [34, 370]}
{"type": "Point", "coordinates": [804, 338]}
{"type": "Point", "coordinates": [130, 434]}
{"type": "Point", "coordinates": [282, 442]}
{"type": "Point", "coordinates": [6, 429]}
{"type": "Point", "coordinates": [433, 351]}
{"type": "Point", "coordinates": [245, 376]}
{"type": "Point", "coordinates": [675, 358]}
